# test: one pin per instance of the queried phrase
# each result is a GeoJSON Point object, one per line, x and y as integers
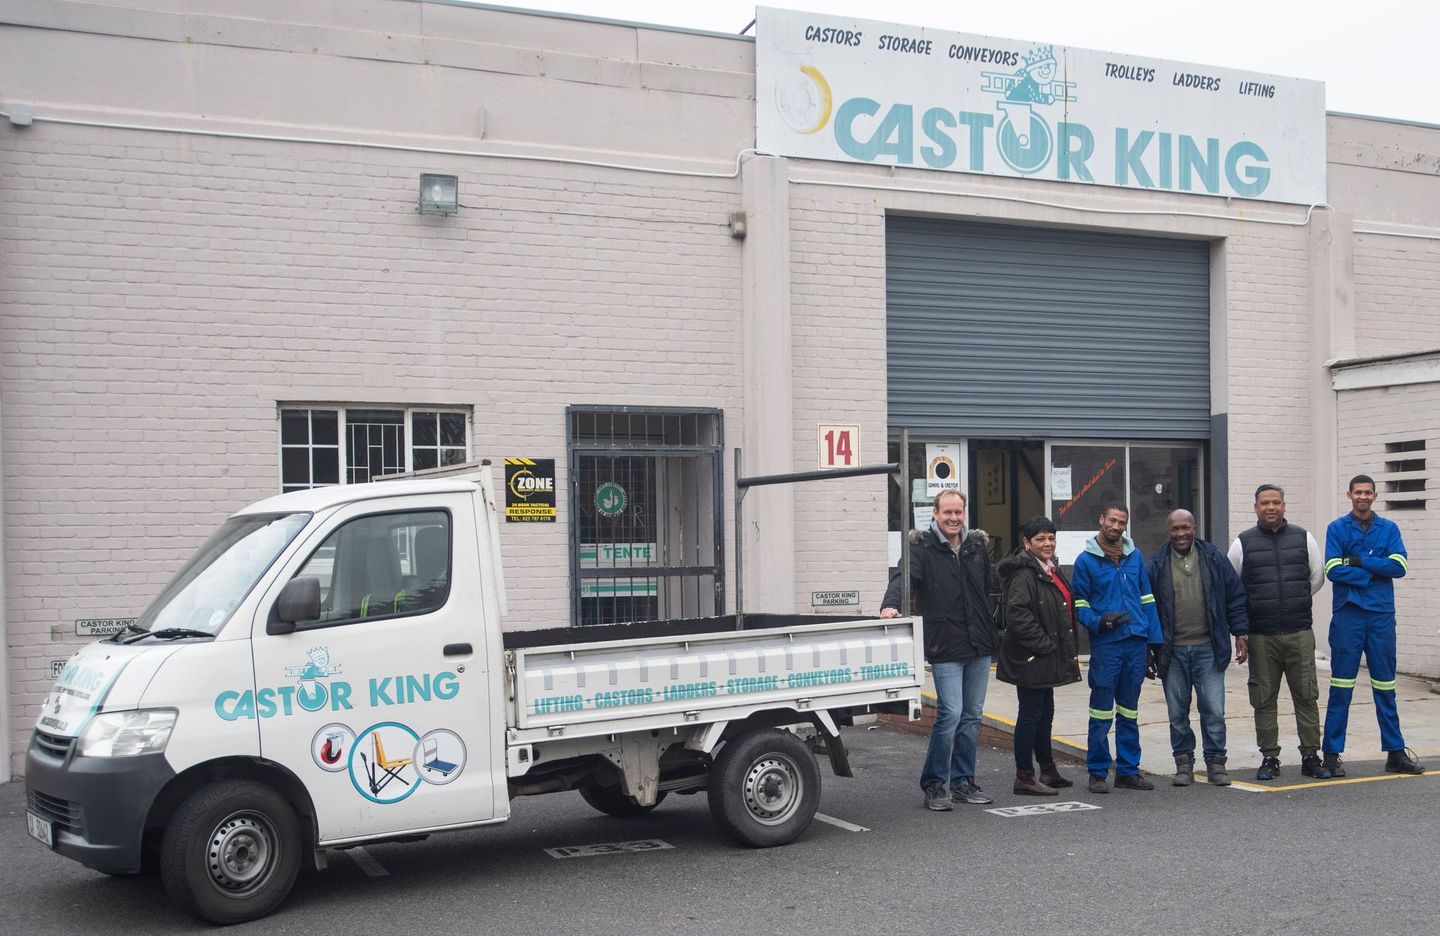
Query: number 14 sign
{"type": "Point", "coordinates": [839, 446]}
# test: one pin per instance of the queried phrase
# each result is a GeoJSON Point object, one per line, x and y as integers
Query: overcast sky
{"type": "Point", "coordinates": [1380, 57]}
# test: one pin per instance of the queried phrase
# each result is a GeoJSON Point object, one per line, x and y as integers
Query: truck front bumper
{"type": "Point", "coordinates": [96, 806]}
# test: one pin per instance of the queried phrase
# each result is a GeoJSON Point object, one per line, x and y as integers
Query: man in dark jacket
{"type": "Point", "coordinates": [1281, 567]}
{"type": "Point", "coordinates": [1202, 604]}
{"type": "Point", "coordinates": [950, 582]}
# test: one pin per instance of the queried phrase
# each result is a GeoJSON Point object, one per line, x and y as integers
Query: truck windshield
{"type": "Point", "coordinates": [204, 594]}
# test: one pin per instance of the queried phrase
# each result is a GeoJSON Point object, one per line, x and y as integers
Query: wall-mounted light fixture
{"type": "Point", "coordinates": [737, 225]}
{"type": "Point", "coordinates": [439, 194]}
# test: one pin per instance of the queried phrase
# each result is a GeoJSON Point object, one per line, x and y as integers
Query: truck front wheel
{"type": "Point", "coordinates": [231, 852]}
{"type": "Point", "coordinates": [764, 788]}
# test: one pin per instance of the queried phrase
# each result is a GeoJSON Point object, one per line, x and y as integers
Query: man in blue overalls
{"type": "Point", "coordinates": [1363, 556]}
{"type": "Point", "coordinates": [1114, 601]}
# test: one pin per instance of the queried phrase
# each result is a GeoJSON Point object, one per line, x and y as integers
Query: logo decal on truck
{"type": "Point", "coordinates": [314, 691]}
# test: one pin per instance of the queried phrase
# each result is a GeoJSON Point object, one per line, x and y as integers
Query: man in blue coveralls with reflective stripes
{"type": "Point", "coordinates": [1114, 601]}
{"type": "Point", "coordinates": [1363, 556]}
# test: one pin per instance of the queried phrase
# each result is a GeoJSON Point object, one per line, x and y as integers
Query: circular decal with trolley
{"type": "Point", "coordinates": [610, 499]}
{"type": "Point", "coordinates": [440, 756]}
{"type": "Point", "coordinates": [382, 763]}
{"type": "Point", "coordinates": [331, 747]}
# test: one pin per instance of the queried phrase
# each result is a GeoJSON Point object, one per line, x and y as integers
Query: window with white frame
{"type": "Point", "coordinates": [321, 445]}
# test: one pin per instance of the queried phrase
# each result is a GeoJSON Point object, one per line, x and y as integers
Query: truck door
{"type": "Point", "coordinates": [381, 706]}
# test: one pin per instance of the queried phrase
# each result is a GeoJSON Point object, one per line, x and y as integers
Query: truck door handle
{"type": "Point", "coordinates": [460, 649]}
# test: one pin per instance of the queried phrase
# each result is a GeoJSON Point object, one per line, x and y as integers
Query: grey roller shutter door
{"type": "Point", "coordinates": [1002, 331]}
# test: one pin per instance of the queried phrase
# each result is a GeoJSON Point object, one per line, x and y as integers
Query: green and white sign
{"type": "Point", "coordinates": [610, 499]}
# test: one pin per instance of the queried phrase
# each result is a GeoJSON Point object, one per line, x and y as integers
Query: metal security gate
{"type": "Point", "coordinates": [997, 331]}
{"type": "Point", "coordinates": [646, 508]}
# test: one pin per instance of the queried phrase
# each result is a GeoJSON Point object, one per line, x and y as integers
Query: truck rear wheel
{"type": "Point", "coordinates": [612, 802]}
{"type": "Point", "coordinates": [231, 852]}
{"type": "Point", "coordinates": [764, 788]}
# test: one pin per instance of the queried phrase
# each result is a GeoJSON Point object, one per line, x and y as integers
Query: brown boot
{"type": "Point", "coordinates": [1050, 776]}
{"type": "Point", "coordinates": [1027, 785]}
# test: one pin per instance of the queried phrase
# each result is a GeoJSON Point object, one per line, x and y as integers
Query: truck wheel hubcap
{"type": "Point", "coordinates": [772, 789]}
{"type": "Point", "coordinates": [239, 854]}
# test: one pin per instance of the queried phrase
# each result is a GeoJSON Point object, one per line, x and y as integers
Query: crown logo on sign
{"type": "Point", "coordinates": [1040, 54]}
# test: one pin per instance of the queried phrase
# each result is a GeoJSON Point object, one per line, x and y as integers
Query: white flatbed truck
{"type": "Point", "coordinates": [329, 669]}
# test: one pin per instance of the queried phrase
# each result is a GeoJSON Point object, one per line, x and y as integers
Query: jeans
{"type": "Point", "coordinates": [1193, 667]}
{"type": "Point", "coordinates": [959, 700]}
{"type": "Point", "coordinates": [1033, 724]}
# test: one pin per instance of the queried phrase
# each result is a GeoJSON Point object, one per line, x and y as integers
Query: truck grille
{"type": "Point", "coordinates": [63, 814]}
{"type": "Point", "coordinates": [54, 744]}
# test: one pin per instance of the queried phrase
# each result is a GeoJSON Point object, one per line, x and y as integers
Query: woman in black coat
{"type": "Point", "coordinates": [1038, 652]}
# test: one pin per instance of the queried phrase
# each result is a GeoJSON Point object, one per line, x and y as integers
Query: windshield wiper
{"type": "Point", "coordinates": [173, 633]}
{"type": "Point", "coordinates": [129, 628]}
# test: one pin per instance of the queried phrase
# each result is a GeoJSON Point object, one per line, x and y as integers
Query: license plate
{"type": "Point", "coordinates": [40, 829]}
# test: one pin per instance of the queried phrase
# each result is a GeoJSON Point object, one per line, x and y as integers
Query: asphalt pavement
{"type": "Point", "coordinates": [1352, 857]}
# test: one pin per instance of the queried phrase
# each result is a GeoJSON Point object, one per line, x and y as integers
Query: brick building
{"type": "Point", "coordinates": [215, 284]}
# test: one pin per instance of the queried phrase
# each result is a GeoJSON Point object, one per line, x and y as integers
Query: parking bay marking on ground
{"type": "Point", "coordinates": [1040, 809]}
{"type": "Point", "coordinates": [607, 848]}
{"type": "Point", "coordinates": [841, 823]}
{"type": "Point", "coordinates": [366, 861]}
{"type": "Point", "coordinates": [1316, 784]}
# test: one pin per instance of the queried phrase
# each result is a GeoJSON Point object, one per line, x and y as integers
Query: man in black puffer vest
{"type": "Point", "coordinates": [1281, 567]}
{"type": "Point", "coordinates": [950, 580]}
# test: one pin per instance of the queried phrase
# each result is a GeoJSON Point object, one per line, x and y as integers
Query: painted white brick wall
{"type": "Point", "coordinates": [162, 294]}
{"type": "Point", "coordinates": [1368, 420]}
{"type": "Point", "coordinates": [1397, 294]}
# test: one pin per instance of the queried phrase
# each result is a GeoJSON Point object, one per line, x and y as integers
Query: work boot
{"type": "Point", "coordinates": [1050, 776]}
{"type": "Point", "coordinates": [1312, 766]}
{"type": "Point", "coordinates": [1403, 761]}
{"type": "Point", "coordinates": [936, 799]}
{"type": "Point", "coordinates": [1334, 764]}
{"type": "Point", "coordinates": [1027, 785]}
{"type": "Point", "coordinates": [1216, 773]}
{"type": "Point", "coordinates": [1133, 782]}
{"type": "Point", "coordinates": [1269, 769]}
{"type": "Point", "coordinates": [970, 793]}
{"type": "Point", "coordinates": [1184, 770]}
{"type": "Point", "coordinates": [1098, 784]}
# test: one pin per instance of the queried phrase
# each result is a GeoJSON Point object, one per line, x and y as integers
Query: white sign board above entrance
{"type": "Point", "coordinates": [833, 88]}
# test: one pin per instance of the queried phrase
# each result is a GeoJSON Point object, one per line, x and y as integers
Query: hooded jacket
{"type": "Point", "coordinates": [1224, 599]}
{"type": "Point", "coordinates": [1103, 586]}
{"type": "Point", "coordinates": [1038, 649]}
{"type": "Point", "coordinates": [951, 591]}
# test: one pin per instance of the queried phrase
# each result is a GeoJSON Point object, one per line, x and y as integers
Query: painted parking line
{"type": "Point", "coordinates": [1314, 784]}
{"type": "Point", "coordinates": [841, 823]}
{"type": "Point", "coordinates": [1040, 809]}
{"type": "Point", "coordinates": [366, 861]}
{"type": "Point", "coordinates": [607, 848]}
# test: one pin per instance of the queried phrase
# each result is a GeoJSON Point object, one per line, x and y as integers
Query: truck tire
{"type": "Point", "coordinates": [231, 852]}
{"type": "Point", "coordinates": [612, 802]}
{"type": "Point", "coordinates": [764, 788]}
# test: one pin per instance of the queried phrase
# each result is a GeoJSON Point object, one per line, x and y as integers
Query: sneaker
{"type": "Point", "coordinates": [936, 799]}
{"type": "Point", "coordinates": [1184, 770]}
{"type": "Point", "coordinates": [1132, 782]}
{"type": "Point", "coordinates": [970, 793]}
{"type": "Point", "coordinates": [1216, 773]}
{"type": "Point", "coordinates": [1335, 765]}
{"type": "Point", "coordinates": [1313, 766]}
{"type": "Point", "coordinates": [1269, 769]}
{"type": "Point", "coordinates": [1403, 761]}
{"type": "Point", "coordinates": [1098, 784]}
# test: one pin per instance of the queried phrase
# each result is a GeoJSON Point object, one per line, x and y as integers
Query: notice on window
{"type": "Point", "coordinates": [530, 490]}
{"type": "Point", "coordinates": [1060, 488]}
{"type": "Point", "coordinates": [942, 468]}
{"type": "Point", "coordinates": [1069, 544]}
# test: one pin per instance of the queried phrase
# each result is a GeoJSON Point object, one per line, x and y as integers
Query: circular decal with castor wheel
{"type": "Point", "coordinates": [331, 747]}
{"type": "Point", "coordinates": [440, 756]}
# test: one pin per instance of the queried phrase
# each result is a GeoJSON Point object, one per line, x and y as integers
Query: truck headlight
{"type": "Point", "coordinates": [126, 734]}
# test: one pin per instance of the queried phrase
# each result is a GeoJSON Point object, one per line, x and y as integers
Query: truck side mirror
{"type": "Point", "coordinates": [299, 601]}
